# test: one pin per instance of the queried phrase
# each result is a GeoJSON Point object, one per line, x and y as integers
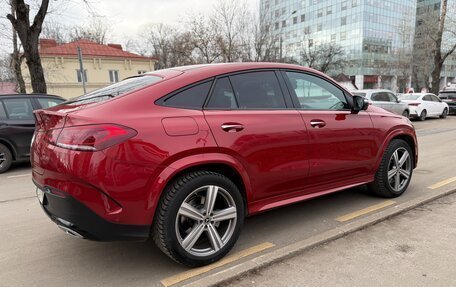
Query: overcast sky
{"type": "Point", "coordinates": [126, 17]}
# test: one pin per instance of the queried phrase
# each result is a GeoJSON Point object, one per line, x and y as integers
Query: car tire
{"type": "Point", "coordinates": [185, 232]}
{"type": "Point", "coordinates": [444, 113]}
{"type": "Point", "coordinates": [423, 115]}
{"type": "Point", "coordinates": [6, 158]}
{"type": "Point", "coordinates": [406, 113]}
{"type": "Point", "coordinates": [395, 171]}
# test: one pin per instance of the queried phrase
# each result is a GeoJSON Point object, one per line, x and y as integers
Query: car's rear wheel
{"type": "Point", "coordinates": [423, 115]}
{"type": "Point", "coordinates": [199, 218]}
{"type": "Point", "coordinates": [395, 172]}
{"type": "Point", "coordinates": [6, 158]}
{"type": "Point", "coordinates": [406, 113]}
{"type": "Point", "coordinates": [444, 113]}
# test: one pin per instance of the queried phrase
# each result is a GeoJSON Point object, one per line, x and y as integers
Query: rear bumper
{"type": "Point", "coordinates": [76, 219]}
{"type": "Point", "coordinates": [452, 109]}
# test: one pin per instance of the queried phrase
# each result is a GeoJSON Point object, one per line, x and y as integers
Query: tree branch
{"type": "Point", "coordinates": [39, 17]}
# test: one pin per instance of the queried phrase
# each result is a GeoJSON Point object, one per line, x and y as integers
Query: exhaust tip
{"type": "Point", "coordinates": [70, 232]}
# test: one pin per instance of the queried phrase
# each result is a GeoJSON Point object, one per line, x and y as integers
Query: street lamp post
{"type": "Point", "coordinates": [281, 39]}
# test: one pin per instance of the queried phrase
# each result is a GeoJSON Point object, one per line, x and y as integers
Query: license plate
{"type": "Point", "coordinates": [40, 195]}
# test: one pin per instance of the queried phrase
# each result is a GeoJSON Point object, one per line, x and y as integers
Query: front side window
{"type": "Point", "coordinates": [258, 90]}
{"type": "Point", "coordinates": [113, 76]}
{"type": "Point", "coordinates": [191, 98]}
{"type": "Point", "coordinates": [392, 98]}
{"type": "Point", "coordinates": [19, 109]}
{"type": "Point", "coordinates": [435, 99]}
{"type": "Point", "coordinates": [315, 93]}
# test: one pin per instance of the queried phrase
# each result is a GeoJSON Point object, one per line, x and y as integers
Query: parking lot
{"type": "Point", "coordinates": [34, 252]}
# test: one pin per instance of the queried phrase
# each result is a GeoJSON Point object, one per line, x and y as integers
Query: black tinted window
{"type": "Point", "coordinates": [222, 95]}
{"type": "Point", "coordinates": [315, 93]}
{"type": "Point", "coordinates": [380, 97]}
{"type": "Point", "coordinates": [192, 98]}
{"type": "Point", "coordinates": [2, 111]}
{"type": "Point", "coordinates": [435, 99]}
{"type": "Point", "coordinates": [259, 90]}
{"type": "Point", "coordinates": [19, 109]}
{"type": "Point", "coordinates": [427, 98]}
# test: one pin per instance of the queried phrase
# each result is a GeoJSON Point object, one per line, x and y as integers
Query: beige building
{"type": "Point", "coordinates": [103, 65]}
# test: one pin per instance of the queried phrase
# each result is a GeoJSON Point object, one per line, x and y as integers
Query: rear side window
{"type": "Point", "coordinates": [2, 111]}
{"type": "Point", "coordinates": [258, 90]}
{"type": "Point", "coordinates": [380, 97]}
{"type": "Point", "coordinates": [19, 109]}
{"type": "Point", "coordinates": [190, 98]}
{"type": "Point", "coordinates": [114, 90]}
{"type": "Point", "coordinates": [427, 98]}
{"type": "Point", "coordinates": [222, 96]}
{"type": "Point", "coordinates": [46, 103]}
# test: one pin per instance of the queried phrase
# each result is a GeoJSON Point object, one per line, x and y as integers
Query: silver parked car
{"type": "Point", "coordinates": [385, 99]}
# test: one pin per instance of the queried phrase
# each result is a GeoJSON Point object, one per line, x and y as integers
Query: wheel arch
{"type": "Point", "coordinates": [10, 147]}
{"type": "Point", "coordinates": [408, 137]}
{"type": "Point", "coordinates": [220, 163]}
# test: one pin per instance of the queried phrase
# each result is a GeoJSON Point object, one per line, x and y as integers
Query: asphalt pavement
{"type": "Point", "coordinates": [34, 252]}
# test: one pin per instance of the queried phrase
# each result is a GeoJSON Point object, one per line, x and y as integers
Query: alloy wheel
{"type": "Point", "coordinates": [206, 220]}
{"type": "Point", "coordinates": [399, 169]}
{"type": "Point", "coordinates": [2, 158]}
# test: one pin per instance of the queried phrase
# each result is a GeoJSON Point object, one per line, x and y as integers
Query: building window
{"type": "Point", "coordinates": [113, 76]}
{"type": "Point", "coordinates": [295, 20]}
{"type": "Point", "coordinates": [344, 6]}
{"type": "Point", "coordinates": [329, 10]}
{"type": "Point", "coordinates": [320, 13]}
{"type": "Point", "coordinates": [277, 26]}
{"type": "Point", "coordinates": [307, 30]}
{"type": "Point", "coordinates": [284, 23]}
{"type": "Point", "coordinates": [319, 27]}
{"type": "Point", "coordinates": [343, 36]}
{"type": "Point", "coordinates": [140, 72]}
{"type": "Point", "coordinates": [354, 3]}
{"type": "Point", "coordinates": [303, 17]}
{"type": "Point", "coordinates": [79, 76]}
{"type": "Point", "coordinates": [343, 21]}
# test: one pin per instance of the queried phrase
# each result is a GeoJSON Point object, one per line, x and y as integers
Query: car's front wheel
{"type": "Point", "coordinates": [199, 218]}
{"type": "Point", "coordinates": [444, 113]}
{"type": "Point", "coordinates": [6, 158]}
{"type": "Point", "coordinates": [395, 172]}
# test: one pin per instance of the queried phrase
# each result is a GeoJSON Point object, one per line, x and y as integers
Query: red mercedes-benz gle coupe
{"type": "Point", "coordinates": [183, 155]}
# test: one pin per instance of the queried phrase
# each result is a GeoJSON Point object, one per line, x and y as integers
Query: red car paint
{"type": "Point", "coordinates": [278, 156]}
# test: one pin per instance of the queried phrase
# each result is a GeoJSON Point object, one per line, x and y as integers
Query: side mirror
{"type": "Point", "coordinates": [359, 104]}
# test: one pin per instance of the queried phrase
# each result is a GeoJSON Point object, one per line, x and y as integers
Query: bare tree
{"type": "Point", "coordinates": [263, 40]}
{"type": "Point", "coordinates": [439, 55]}
{"type": "Point", "coordinates": [55, 30]}
{"type": "Point", "coordinates": [404, 53]}
{"type": "Point", "coordinates": [97, 30]}
{"type": "Point", "coordinates": [324, 57]}
{"type": "Point", "coordinates": [181, 49]}
{"type": "Point", "coordinates": [230, 18]}
{"type": "Point", "coordinates": [158, 39]}
{"type": "Point", "coordinates": [204, 38]}
{"type": "Point", "coordinates": [29, 35]}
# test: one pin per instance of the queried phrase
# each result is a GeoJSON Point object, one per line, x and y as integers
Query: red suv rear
{"type": "Point", "coordinates": [184, 154]}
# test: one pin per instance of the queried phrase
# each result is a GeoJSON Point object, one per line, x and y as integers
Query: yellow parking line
{"type": "Point", "coordinates": [442, 183]}
{"type": "Point", "coordinates": [198, 271]}
{"type": "Point", "coordinates": [364, 211]}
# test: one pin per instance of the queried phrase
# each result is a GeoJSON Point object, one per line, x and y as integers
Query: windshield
{"type": "Point", "coordinates": [410, 97]}
{"type": "Point", "coordinates": [114, 90]}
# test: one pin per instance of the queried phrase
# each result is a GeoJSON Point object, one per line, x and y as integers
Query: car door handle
{"type": "Point", "coordinates": [317, 124]}
{"type": "Point", "coordinates": [232, 127]}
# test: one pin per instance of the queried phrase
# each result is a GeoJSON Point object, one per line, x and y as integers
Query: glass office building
{"type": "Point", "coordinates": [377, 36]}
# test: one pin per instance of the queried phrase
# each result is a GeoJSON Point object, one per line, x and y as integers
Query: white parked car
{"type": "Point", "coordinates": [385, 99]}
{"type": "Point", "coordinates": [423, 105]}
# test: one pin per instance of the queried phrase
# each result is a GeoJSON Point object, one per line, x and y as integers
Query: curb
{"type": "Point", "coordinates": [262, 261]}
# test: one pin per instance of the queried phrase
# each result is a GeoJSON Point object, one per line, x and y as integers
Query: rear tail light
{"type": "Point", "coordinates": [414, 104]}
{"type": "Point", "coordinates": [89, 137]}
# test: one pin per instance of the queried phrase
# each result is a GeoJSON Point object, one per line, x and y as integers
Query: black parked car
{"type": "Point", "coordinates": [17, 125]}
{"type": "Point", "coordinates": [449, 97]}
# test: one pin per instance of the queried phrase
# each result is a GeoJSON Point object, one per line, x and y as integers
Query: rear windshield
{"type": "Point", "coordinates": [114, 90]}
{"type": "Point", "coordinates": [448, 95]}
{"type": "Point", "coordinates": [410, 97]}
{"type": "Point", "coordinates": [360, 94]}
